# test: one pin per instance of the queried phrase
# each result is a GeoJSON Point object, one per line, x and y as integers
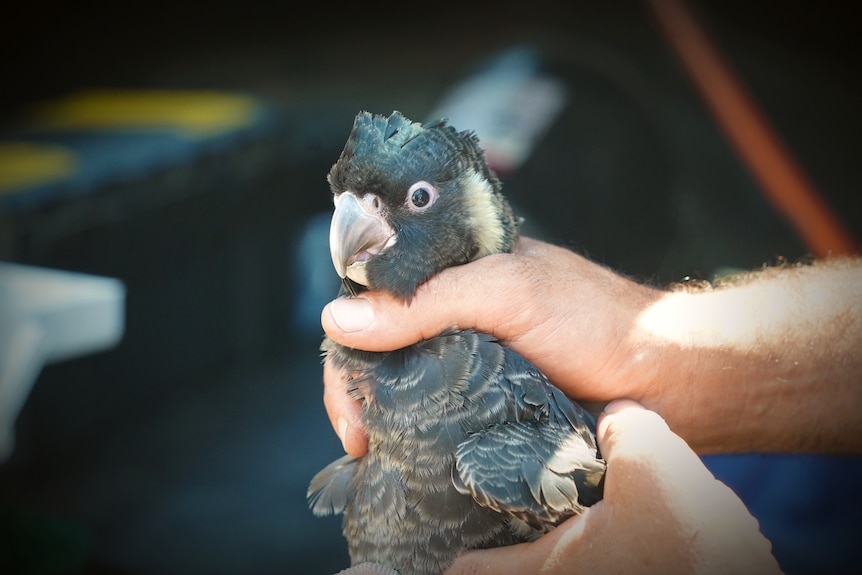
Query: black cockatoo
{"type": "Point", "coordinates": [470, 446]}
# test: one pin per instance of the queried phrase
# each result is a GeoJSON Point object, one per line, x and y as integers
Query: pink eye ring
{"type": "Point", "coordinates": [421, 196]}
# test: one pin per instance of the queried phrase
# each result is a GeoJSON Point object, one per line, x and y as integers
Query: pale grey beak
{"type": "Point", "coordinates": [357, 233]}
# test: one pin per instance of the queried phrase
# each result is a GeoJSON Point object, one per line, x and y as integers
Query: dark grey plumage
{"type": "Point", "coordinates": [470, 446]}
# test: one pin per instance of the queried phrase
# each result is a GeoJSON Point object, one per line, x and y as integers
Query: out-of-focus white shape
{"type": "Point", "coordinates": [509, 103]}
{"type": "Point", "coordinates": [47, 316]}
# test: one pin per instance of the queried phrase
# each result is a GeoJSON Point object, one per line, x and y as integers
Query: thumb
{"type": "Point", "coordinates": [629, 432]}
{"type": "Point", "coordinates": [378, 321]}
{"type": "Point", "coordinates": [625, 424]}
{"type": "Point", "coordinates": [485, 295]}
{"type": "Point", "coordinates": [375, 321]}
{"type": "Point", "coordinates": [646, 457]}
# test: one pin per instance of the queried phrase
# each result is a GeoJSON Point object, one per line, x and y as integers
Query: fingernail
{"type": "Point", "coordinates": [619, 405]}
{"type": "Point", "coordinates": [351, 314]}
{"type": "Point", "coordinates": [342, 431]}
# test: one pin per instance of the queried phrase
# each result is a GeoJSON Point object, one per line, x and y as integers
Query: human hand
{"type": "Point", "coordinates": [571, 317]}
{"type": "Point", "coordinates": [662, 512]}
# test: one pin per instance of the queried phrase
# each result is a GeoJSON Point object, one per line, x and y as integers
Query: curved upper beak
{"type": "Point", "coordinates": [357, 233]}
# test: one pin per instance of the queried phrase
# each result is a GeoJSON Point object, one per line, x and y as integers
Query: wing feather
{"type": "Point", "coordinates": [329, 490]}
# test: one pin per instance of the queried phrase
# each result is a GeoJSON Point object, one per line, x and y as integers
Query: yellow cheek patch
{"type": "Point", "coordinates": [483, 209]}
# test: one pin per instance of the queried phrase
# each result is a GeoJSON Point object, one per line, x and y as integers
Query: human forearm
{"type": "Point", "coordinates": [771, 363]}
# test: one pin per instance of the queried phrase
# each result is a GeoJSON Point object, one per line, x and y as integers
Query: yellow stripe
{"type": "Point", "coordinates": [28, 164]}
{"type": "Point", "coordinates": [198, 114]}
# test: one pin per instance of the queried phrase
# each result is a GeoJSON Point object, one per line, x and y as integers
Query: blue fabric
{"type": "Point", "coordinates": [809, 506]}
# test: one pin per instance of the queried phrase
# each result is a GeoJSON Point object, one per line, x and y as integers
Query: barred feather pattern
{"type": "Point", "coordinates": [469, 447]}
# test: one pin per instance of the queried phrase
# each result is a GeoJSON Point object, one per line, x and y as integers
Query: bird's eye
{"type": "Point", "coordinates": [421, 196]}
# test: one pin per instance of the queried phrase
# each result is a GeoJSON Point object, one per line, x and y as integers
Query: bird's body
{"type": "Point", "coordinates": [469, 445]}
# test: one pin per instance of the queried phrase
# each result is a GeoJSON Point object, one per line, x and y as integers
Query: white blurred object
{"type": "Point", "coordinates": [510, 103]}
{"type": "Point", "coordinates": [47, 316]}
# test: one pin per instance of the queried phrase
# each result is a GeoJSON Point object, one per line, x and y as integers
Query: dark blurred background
{"type": "Point", "coordinates": [188, 447]}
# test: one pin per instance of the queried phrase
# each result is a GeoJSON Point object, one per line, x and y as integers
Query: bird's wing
{"type": "Point", "coordinates": [329, 490]}
{"type": "Point", "coordinates": [535, 398]}
{"type": "Point", "coordinates": [538, 473]}
{"type": "Point", "coordinates": [540, 466]}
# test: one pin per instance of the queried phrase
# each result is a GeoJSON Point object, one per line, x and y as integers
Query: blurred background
{"type": "Point", "coordinates": [182, 150]}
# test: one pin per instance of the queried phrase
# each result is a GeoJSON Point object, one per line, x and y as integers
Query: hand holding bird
{"type": "Point", "coordinates": [688, 523]}
{"type": "Point", "coordinates": [660, 347]}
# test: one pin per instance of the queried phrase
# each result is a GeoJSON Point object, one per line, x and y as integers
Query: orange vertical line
{"type": "Point", "coordinates": [783, 182]}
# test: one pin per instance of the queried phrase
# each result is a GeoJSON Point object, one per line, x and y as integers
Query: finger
{"type": "Point", "coordinates": [634, 439]}
{"type": "Point", "coordinates": [684, 498]}
{"type": "Point", "coordinates": [628, 431]}
{"type": "Point", "coordinates": [514, 560]}
{"type": "Point", "coordinates": [483, 295]}
{"type": "Point", "coordinates": [343, 412]}
{"type": "Point", "coordinates": [622, 420]}
{"type": "Point", "coordinates": [553, 553]}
